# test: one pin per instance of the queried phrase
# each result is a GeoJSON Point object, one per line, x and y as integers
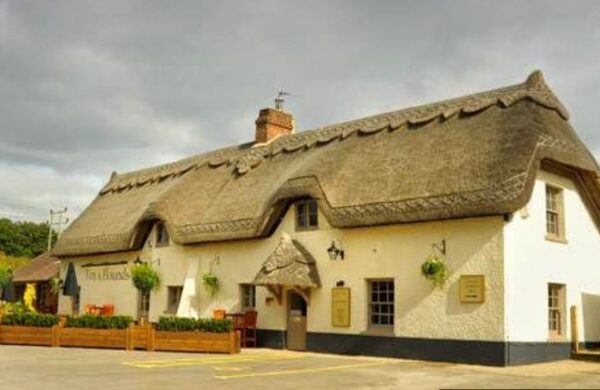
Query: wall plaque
{"type": "Point", "coordinates": [472, 288]}
{"type": "Point", "coordinates": [340, 307]}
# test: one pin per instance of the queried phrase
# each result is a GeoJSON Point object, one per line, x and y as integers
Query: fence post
{"type": "Point", "coordinates": [57, 333]}
{"type": "Point", "coordinates": [129, 337]}
{"type": "Point", "coordinates": [574, 330]}
{"type": "Point", "coordinates": [53, 336]}
{"type": "Point", "coordinates": [150, 336]}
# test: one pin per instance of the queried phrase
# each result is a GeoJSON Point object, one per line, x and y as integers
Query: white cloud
{"type": "Point", "coordinates": [91, 87]}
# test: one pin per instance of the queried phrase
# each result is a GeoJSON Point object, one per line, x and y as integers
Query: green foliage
{"type": "Point", "coordinates": [23, 239]}
{"type": "Point", "coordinates": [13, 262]}
{"type": "Point", "coordinates": [181, 324]}
{"type": "Point", "coordinates": [5, 275]}
{"type": "Point", "coordinates": [145, 278]}
{"type": "Point", "coordinates": [15, 308]}
{"type": "Point", "coordinates": [99, 322]}
{"type": "Point", "coordinates": [55, 285]}
{"type": "Point", "coordinates": [211, 283]}
{"type": "Point", "coordinates": [435, 270]}
{"type": "Point", "coordinates": [30, 319]}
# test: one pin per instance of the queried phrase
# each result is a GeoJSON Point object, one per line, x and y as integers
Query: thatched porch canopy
{"type": "Point", "coordinates": [291, 265]}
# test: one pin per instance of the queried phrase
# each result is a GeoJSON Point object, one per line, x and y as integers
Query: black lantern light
{"type": "Point", "coordinates": [333, 252]}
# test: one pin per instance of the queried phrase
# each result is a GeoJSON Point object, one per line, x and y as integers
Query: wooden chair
{"type": "Point", "coordinates": [89, 309]}
{"type": "Point", "coordinates": [108, 310]}
{"type": "Point", "coordinates": [249, 331]}
{"type": "Point", "coordinates": [237, 323]}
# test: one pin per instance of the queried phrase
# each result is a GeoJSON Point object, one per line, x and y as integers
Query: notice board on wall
{"type": "Point", "coordinates": [340, 307]}
{"type": "Point", "coordinates": [472, 288]}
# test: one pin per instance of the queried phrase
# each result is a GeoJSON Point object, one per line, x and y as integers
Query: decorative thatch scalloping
{"type": "Point", "coordinates": [245, 159]}
{"type": "Point", "coordinates": [472, 156]}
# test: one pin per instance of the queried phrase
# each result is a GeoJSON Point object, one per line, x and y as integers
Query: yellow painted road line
{"type": "Point", "coordinates": [229, 368]}
{"type": "Point", "coordinates": [302, 370]}
{"type": "Point", "coordinates": [206, 361]}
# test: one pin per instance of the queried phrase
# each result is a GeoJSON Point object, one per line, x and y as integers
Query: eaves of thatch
{"type": "Point", "coordinates": [471, 156]}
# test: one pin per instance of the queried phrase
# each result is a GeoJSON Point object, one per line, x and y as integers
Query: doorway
{"type": "Point", "coordinates": [296, 327]}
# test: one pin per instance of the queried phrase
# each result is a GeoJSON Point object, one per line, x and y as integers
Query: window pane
{"type": "Point", "coordinates": [301, 215]}
{"type": "Point", "coordinates": [313, 213]}
{"type": "Point", "coordinates": [313, 220]}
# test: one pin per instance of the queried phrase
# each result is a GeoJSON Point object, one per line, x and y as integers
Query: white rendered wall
{"type": "Point", "coordinates": [532, 262]}
{"type": "Point", "coordinates": [474, 246]}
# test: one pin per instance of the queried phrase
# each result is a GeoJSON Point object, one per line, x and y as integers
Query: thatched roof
{"type": "Point", "coordinates": [289, 265]}
{"type": "Point", "coordinates": [470, 156]}
{"type": "Point", "coordinates": [42, 268]}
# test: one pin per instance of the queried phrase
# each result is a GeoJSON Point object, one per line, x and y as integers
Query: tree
{"type": "Point", "coordinates": [5, 277]}
{"type": "Point", "coordinates": [23, 239]}
{"type": "Point", "coordinates": [12, 262]}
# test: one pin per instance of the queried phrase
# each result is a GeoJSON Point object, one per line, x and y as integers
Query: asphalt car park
{"type": "Point", "coordinates": [69, 368]}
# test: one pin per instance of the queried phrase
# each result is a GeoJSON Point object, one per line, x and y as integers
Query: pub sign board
{"type": "Point", "coordinates": [340, 307]}
{"type": "Point", "coordinates": [472, 288]}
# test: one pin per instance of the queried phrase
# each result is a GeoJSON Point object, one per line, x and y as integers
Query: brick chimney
{"type": "Point", "coordinates": [272, 123]}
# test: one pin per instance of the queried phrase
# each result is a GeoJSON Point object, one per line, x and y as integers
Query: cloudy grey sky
{"type": "Point", "coordinates": [88, 87]}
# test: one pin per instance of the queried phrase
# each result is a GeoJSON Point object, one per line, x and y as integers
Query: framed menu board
{"type": "Point", "coordinates": [340, 307]}
{"type": "Point", "coordinates": [472, 288]}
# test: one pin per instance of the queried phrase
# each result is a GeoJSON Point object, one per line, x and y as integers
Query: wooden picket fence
{"type": "Point", "coordinates": [143, 337]}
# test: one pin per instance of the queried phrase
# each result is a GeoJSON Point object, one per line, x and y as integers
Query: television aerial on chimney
{"type": "Point", "coordinates": [279, 100]}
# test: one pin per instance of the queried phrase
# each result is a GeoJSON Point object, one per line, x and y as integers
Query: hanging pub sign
{"type": "Point", "coordinates": [472, 288]}
{"type": "Point", "coordinates": [340, 307]}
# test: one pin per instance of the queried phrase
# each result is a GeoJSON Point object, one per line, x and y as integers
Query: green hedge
{"type": "Point", "coordinates": [181, 324]}
{"type": "Point", "coordinates": [30, 319]}
{"type": "Point", "coordinates": [99, 322]}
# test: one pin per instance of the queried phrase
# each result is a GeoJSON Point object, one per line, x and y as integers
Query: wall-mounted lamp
{"type": "Point", "coordinates": [333, 252]}
{"type": "Point", "coordinates": [441, 246]}
{"type": "Point", "coordinates": [138, 261]}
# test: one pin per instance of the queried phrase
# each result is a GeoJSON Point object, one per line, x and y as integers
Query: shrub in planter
{"type": "Point", "coordinates": [145, 278]}
{"type": "Point", "coordinates": [99, 322]}
{"type": "Point", "coordinates": [435, 270]}
{"type": "Point", "coordinates": [30, 319]}
{"type": "Point", "coordinates": [14, 308]}
{"type": "Point", "coordinates": [182, 324]}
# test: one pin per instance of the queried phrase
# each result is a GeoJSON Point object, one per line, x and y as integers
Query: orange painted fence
{"type": "Point", "coordinates": [134, 337]}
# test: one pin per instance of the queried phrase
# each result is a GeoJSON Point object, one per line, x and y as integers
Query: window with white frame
{"type": "Point", "coordinates": [162, 235]}
{"type": "Point", "coordinates": [556, 310]}
{"type": "Point", "coordinates": [555, 226]}
{"type": "Point", "coordinates": [381, 302]}
{"type": "Point", "coordinates": [307, 215]}
{"type": "Point", "coordinates": [248, 296]}
{"type": "Point", "coordinates": [173, 298]}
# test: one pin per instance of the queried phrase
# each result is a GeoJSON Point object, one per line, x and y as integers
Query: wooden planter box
{"type": "Point", "coordinates": [93, 338]}
{"type": "Point", "coordinates": [134, 337]}
{"type": "Point", "coordinates": [28, 335]}
{"type": "Point", "coordinates": [196, 342]}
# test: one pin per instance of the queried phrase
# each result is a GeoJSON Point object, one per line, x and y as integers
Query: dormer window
{"type": "Point", "coordinates": [307, 215]}
{"type": "Point", "coordinates": [162, 235]}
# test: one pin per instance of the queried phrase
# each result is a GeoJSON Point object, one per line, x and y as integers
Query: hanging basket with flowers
{"type": "Point", "coordinates": [434, 269]}
{"type": "Point", "coordinates": [211, 283]}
